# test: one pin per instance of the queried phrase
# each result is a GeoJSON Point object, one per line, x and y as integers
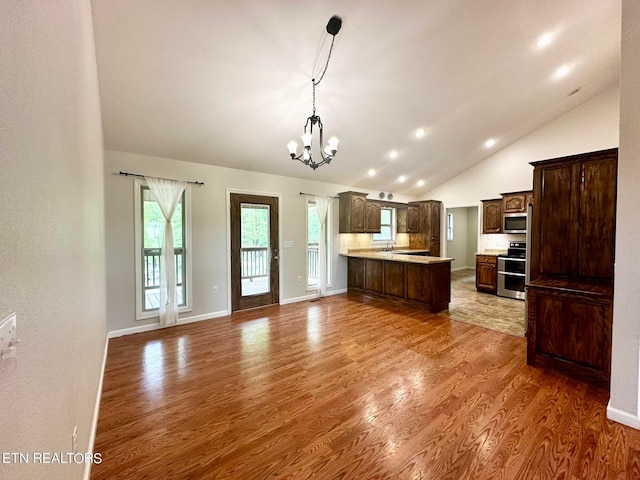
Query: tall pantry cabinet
{"type": "Point", "coordinates": [570, 293]}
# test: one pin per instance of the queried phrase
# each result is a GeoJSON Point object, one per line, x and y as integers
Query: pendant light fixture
{"type": "Point", "coordinates": [326, 153]}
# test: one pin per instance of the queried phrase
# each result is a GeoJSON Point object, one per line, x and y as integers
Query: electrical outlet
{"type": "Point", "coordinates": [215, 290]}
{"type": "Point", "coordinates": [299, 278]}
{"type": "Point", "coordinates": [74, 440]}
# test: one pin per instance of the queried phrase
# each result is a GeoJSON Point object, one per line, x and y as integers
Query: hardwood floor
{"type": "Point", "coordinates": [348, 387]}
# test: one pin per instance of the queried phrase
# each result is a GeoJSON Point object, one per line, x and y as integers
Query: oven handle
{"type": "Point", "coordinates": [513, 274]}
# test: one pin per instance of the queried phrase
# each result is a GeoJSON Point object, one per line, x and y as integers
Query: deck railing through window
{"type": "Point", "coordinates": [152, 268]}
{"type": "Point", "coordinates": [312, 263]}
{"type": "Point", "coordinates": [255, 262]}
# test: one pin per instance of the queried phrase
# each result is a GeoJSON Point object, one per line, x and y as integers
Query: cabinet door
{"type": "Point", "coordinates": [597, 219]}
{"type": "Point", "coordinates": [555, 222]}
{"type": "Point", "coordinates": [358, 210]}
{"type": "Point", "coordinates": [572, 332]}
{"type": "Point", "coordinates": [514, 203]}
{"type": "Point", "coordinates": [372, 220]}
{"type": "Point", "coordinates": [394, 279]}
{"type": "Point", "coordinates": [435, 222]}
{"type": "Point", "coordinates": [401, 219]}
{"type": "Point", "coordinates": [492, 216]}
{"type": "Point", "coordinates": [487, 274]}
{"type": "Point", "coordinates": [373, 276]}
{"type": "Point", "coordinates": [355, 273]}
{"type": "Point", "coordinates": [413, 219]}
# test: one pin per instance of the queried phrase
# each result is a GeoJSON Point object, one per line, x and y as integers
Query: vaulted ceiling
{"type": "Point", "coordinates": [228, 82]}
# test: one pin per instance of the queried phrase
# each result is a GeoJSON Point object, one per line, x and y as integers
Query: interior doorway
{"type": "Point", "coordinates": [254, 251]}
{"type": "Point", "coordinates": [462, 236]}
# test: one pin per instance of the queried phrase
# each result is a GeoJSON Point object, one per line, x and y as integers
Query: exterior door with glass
{"type": "Point", "coordinates": [254, 251]}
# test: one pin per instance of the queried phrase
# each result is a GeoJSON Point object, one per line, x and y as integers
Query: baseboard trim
{"type": "Point", "coordinates": [312, 296]}
{"type": "Point", "coordinates": [622, 417]}
{"type": "Point", "coordinates": [157, 326]}
{"type": "Point", "coordinates": [96, 411]}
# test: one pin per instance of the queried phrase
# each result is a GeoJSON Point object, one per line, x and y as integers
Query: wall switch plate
{"type": "Point", "coordinates": [288, 244]}
{"type": "Point", "coordinates": [299, 278]}
{"type": "Point", "coordinates": [214, 290]}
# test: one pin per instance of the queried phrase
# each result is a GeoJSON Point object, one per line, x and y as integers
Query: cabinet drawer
{"type": "Point", "coordinates": [487, 259]}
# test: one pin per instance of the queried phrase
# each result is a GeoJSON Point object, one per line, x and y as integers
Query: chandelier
{"type": "Point", "coordinates": [327, 153]}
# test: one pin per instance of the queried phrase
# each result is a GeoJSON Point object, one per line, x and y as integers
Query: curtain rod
{"type": "Point", "coordinates": [127, 174]}
{"type": "Point", "coordinates": [314, 195]}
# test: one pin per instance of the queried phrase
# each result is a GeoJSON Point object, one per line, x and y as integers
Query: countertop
{"type": "Point", "coordinates": [493, 252]}
{"type": "Point", "coordinates": [397, 257]}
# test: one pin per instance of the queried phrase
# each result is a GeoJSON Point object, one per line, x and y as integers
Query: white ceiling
{"type": "Point", "coordinates": [228, 82]}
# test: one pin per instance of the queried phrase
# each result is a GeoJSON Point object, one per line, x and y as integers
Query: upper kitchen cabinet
{"type": "Point", "coordinates": [413, 219]}
{"type": "Point", "coordinates": [492, 216]}
{"type": "Point", "coordinates": [353, 206]}
{"type": "Point", "coordinates": [401, 219]}
{"type": "Point", "coordinates": [372, 217]}
{"type": "Point", "coordinates": [516, 202]}
{"type": "Point", "coordinates": [574, 217]}
{"type": "Point", "coordinates": [357, 214]}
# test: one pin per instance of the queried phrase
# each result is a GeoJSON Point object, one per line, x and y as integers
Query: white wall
{"type": "Point", "coordinates": [52, 230]}
{"type": "Point", "coordinates": [472, 235]}
{"type": "Point", "coordinates": [209, 232]}
{"type": "Point", "coordinates": [625, 382]}
{"type": "Point", "coordinates": [592, 125]}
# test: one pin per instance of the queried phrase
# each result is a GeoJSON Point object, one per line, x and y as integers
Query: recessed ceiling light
{"type": "Point", "coordinates": [371, 172]}
{"type": "Point", "coordinates": [421, 132]}
{"type": "Point", "coordinates": [393, 154]}
{"type": "Point", "coordinates": [490, 143]}
{"type": "Point", "coordinates": [561, 72]}
{"type": "Point", "coordinates": [545, 40]}
{"type": "Point", "coordinates": [402, 178]}
{"type": "Point", "coordinates": [420, 183]}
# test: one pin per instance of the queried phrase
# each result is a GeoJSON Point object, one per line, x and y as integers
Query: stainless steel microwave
{"type": "Point", "coordinates": [515, 223]}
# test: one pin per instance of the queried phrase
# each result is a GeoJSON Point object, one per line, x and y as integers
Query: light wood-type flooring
{"type": "Point", "coordinates": [483, 309]}
{"type": "Point", "coordinates": [348, 387]}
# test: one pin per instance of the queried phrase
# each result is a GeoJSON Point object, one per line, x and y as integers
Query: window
{"type": "Point", "coordinates": [313, 242]}
{"type": "Point", "coordinates": [149, 228]}
{"type": "Point", "coordinates": [387, 225]}
{"type": "Point", "coordinates": [450, 226]}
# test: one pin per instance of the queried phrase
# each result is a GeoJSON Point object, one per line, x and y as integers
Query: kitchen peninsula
{"type": "Point", "coordinates": [416, 280]}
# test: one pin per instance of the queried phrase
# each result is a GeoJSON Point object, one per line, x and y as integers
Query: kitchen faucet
{"type": "Point", "coordinates": [390, 241]}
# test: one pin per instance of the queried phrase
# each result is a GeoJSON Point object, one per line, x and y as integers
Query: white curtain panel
{"type": "Point", "coordinates": [322, 207]}
{"type": "Point", "coordinates": [167, 193]}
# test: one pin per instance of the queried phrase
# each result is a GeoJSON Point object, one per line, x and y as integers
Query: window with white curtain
{"type": "Point", "coordinates": [450, 227]}
{"type": "Point", "coordinates": [149, 228]}
{"type": "Point", "coordinates": [313, 239]}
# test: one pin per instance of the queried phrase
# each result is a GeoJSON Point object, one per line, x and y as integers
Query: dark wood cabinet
{"type": "Point", "coordinates": [357, 214]}
{"type": "Point", "coordinates": [427, 234]}
{"type": "Point", "coordinates": [422, 285]}
{"type": "Point", "coordinates": [355, 274]}
{"type": "Point", "coordinates": [487, 273]}
{"type": "Point", "coordinates": [572, 257]}
{"type": "Point", "coordinates": [573, 234]}
{"type": "Point", "coordinates": [413, 219]}
{"type": "Point", "coordinates": [401, 219]}
{"type": "Point", "coordinates": [492, 216]}
{"type": "Point", "coordinates": [372, 218]}
{"type": "Point", "coordinates": [571, 331]}
{"type": "Point", "coordinates": [352, 211]}
{"type": "Point", "coordinates": [515, 202]}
